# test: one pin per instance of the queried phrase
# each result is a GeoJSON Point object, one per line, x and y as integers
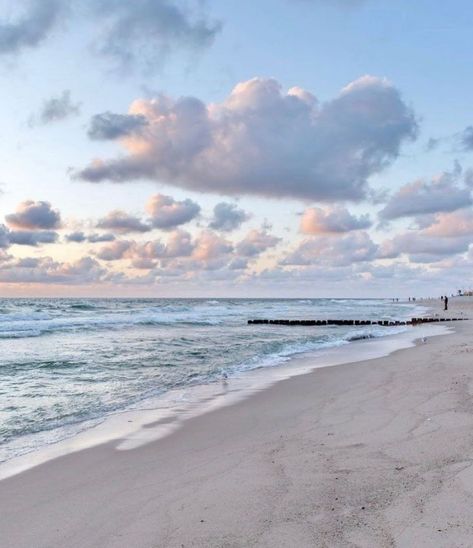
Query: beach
{"type": "Point", "coordinates": [370, 454]}
{"type": "Point", "coordinates": [229, 235]}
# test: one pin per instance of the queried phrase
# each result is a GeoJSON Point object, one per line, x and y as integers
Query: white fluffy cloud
{"type": "Point", "coordinates": [263, 141]}
{"type": "Point", "coordinates": [331, 220]}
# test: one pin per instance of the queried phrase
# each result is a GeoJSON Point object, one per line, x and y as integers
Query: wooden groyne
{"type": "Point", "coordinates": [384, 323]}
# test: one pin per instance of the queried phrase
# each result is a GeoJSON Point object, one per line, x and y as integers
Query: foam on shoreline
{"type": "Point", "coordinates": [158, 417]}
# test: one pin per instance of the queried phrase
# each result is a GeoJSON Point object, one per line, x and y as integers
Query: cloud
{"type": "Point", "coordinates": [4, 237]}
{"type": "Point", "coordinates": [265, 142]}
{"type": "Point", "coordinates": [442, 193]}
{"type": "Point", "coordinates": [123, 223]}
{"type": "Point", "coordinates": [145, 32]}
{"type": "Point", "coordinates": [166, 213]}
{"type": "Point", "coordinates": [85, 270]}
{"type": "Point", "coordinates": [97, 238]}
{"type": "Point", "coordinates": [468, 177]}
{"type": "Point", "coordinates": [442, 235]}
{"type": "Point", "coordinates": [76, 237]}
{"type": "Point", "coordinates": [255, 243]}
{"type": "Point", "coordinates": [210, 246]}
{"type": "Point", "coordinates": [466, 139]}
{"type": "Point", "coordinates": [143, 264]}
{"type": "Point", "coordinates": [142, 33]}
{"type": "Point", "coordinates": [46, 270]}
{"type": "Point", "coordinates": [333, 251]}
{"type": "Point", "coordinates": [115, 251]}
{"type": "Point", "coordinates": [228, 217]}
{"type": "Point", "coordinates": [452, 224]}
{"type": "Point", "coordinates": [150, 250]}
{"type": "Point", "coordinates": [184, 256]}
{"type": "Point", "coordinates": [432, 143]}
{"type": "Point", "coordinates": [30, 28]}
{"type": "Point", "coordinates": [180, 253]}
{"type": "Point", "coordinates": [238, 263]}
{"type": "Point", "coordinates": [34, 215]}
{"type": "Point", "coordinates": [109, 126]}
{"type": "Point", "coordinates": [331, 220]}
{"type": "Point", "coordinates": [79, 237]}
{"type": "Point", "coordinates": [56, 109]}
{"type": "Point", "coordinates": [25, 237]}
{"type": "Point", "coordinates": [32, 237]}
{"type": "Point", "coordinates": [179, 244]}
{"type": "Point", "coordinates": [423, 247]}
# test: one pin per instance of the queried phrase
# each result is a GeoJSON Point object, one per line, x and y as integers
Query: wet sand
{"type": "Point", "coordinates": [377, 453]}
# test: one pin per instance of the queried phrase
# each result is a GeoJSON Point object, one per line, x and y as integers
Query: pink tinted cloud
{"type": "Point", "coordinates": [265, 141]}
{"type": "Point", "coordinates": [457, 223]}
{"type": "Point", "coordinates": [331, 220]}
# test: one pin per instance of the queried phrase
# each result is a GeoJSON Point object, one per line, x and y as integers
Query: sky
{"type": "Point", "coordinates": [273, 148]}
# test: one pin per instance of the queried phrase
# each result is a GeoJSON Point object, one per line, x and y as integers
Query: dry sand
{"type": "Point", "coordinates": [370, 454]}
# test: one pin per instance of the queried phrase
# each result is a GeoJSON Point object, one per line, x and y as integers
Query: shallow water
{"type": "Point", "coordinates": [66, 364]}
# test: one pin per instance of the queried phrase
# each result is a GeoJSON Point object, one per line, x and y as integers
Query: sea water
{"type": "Point", "coordinates": [68, 364]}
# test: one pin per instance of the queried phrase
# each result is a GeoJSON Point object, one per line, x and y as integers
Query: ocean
{"type": "Point", "coordinates": [68, 364]}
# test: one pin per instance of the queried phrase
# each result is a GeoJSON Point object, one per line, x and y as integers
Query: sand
{"type": "Point", "coordinates": [371, 454]}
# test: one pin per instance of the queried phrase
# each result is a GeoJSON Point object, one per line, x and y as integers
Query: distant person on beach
{"type": "Point", "coordinates": [445, 301]}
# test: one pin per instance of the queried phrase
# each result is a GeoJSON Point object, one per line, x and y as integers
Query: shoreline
{"type": "Point", "coordinates": [54, 418]}
{"type": "Point", "coordinates": [155, 418]}
{"type": "Point", "coordinates": [374, 453]}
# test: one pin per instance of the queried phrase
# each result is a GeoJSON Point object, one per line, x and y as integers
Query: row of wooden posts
{"type": "Point", "coordinates": [385, 323]}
